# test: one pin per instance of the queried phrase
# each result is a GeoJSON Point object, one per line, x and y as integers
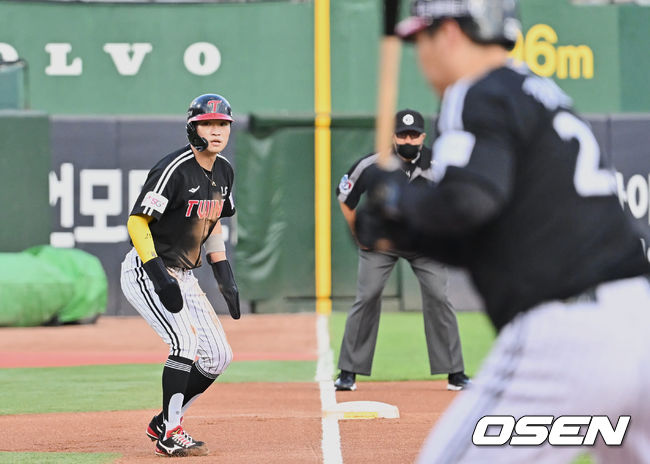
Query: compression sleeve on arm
{"type": "Point", "coordinates": [138, 227]}
{"type": "Point", "coordinates": [215, 243]}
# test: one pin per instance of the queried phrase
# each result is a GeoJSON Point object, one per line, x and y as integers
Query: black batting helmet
{"type": "Point", "coordinates": [484, 21]}
{"type": "Point", "coordinates": [203, 108]}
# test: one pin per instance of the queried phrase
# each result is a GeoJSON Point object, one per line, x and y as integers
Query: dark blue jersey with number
{"type": "Point", "coordinates": [560, 229]}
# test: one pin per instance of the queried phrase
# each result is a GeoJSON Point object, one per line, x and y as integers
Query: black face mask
{"type": "Point", "coordinates": [408, 151]}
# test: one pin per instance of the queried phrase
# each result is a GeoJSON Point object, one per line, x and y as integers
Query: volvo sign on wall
{"type": "Point", "coordinates": [154, 58]}
{"type": "Point", "coordinates": [151, 58]}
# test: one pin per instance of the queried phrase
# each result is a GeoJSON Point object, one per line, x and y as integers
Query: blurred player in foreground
{"type": "Point", "coordinates": [525, 203]}
{"type": "Point", "coordinates": [177, 213]}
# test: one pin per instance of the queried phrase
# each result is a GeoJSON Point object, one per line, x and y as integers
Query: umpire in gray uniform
{"type": "Point", "coordinates": [440, 325]}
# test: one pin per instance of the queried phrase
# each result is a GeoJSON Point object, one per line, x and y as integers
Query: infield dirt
{"type": "Point", "coordinates": [240, 422]}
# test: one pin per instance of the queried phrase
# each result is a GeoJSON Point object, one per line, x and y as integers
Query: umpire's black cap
{"type": "Point", "coordinates": [409, 120]}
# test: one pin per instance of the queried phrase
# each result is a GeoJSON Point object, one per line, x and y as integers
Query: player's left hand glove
{"type": "Point", "coordinates": [165, 285]}
{"type": "Point", "coordinates": [227, 286]}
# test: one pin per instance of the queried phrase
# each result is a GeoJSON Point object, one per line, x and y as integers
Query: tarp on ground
{"type": "Point", "coordinates": [50, 285]}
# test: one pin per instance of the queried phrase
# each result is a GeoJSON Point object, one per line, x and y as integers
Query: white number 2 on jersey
{"type": "Point", "coordinates": [589, 179]}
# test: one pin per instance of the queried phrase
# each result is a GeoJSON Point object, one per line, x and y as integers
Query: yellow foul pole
{"type": "Point", "coordinates": [322, 156]}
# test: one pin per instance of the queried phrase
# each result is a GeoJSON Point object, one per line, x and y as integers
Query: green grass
{"type": "Point", "coordinates": [119, 387]}
{"type": "Point", "coordinates": [583, 459]}
{"type": "Point", "coordinates": [83, 388]}
{"type": "Point", "coordinates": [270, 371]}
{"type": "Point", "coordinates": [401, 352]}
{"type": "Point", "coordinates": [57, 458]}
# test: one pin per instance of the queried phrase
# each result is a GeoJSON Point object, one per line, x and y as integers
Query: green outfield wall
{"type": "Point", "coordinates": [25, 216]}
{"type": "Point", "coordinates": [116, 80]}
{"type": "Point", "coordinates": [598, 54]}
{"type": "Point", "coordinates": [275, 204]}
{"type": "Point", "coordinates": [99, 164]}
{"type": "Point", "coordinates": [275, 197]}
{"type": "Point", "coordinates": [154, 58]}
{"type": "Point", "coordinates": [634, 25]}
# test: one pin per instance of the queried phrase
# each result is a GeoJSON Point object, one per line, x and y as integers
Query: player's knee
{"type": "Point", "coordinates": [229, 356]}
{"type": "Point", "coordinates": [225, 359]}
{"type": "Point", "coordinates": [218, 362]}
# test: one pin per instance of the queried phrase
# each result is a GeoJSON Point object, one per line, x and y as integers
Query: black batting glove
{"type": "Point", "coordinates": [368, 228]}
{"type": "Point", "coordinates": [227, 286]}
{"type": "Point", "coordinates": [376, 232]}
{"type": "Point", "coordinates": [165, 285]}
{"type": "Point", "coordinates": [380, 223]}
{"type": "Point", "coordinates": [384, 191]}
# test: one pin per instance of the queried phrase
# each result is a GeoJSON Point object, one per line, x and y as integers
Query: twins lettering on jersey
{"type": "Point", "coordinates": [205, 208]}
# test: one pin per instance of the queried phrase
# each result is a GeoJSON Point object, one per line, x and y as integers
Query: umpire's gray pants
{"type": "Point", "coordinates": [440, 325]}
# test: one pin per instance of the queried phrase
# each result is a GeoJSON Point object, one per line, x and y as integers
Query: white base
{"type": "Point", "coordinates": [362, 410]}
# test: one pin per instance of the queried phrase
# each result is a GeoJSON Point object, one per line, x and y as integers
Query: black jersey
{"type": "Point", "coordinates": [353, 184]}
{"type": "Point", "coordinates": [560, 229]}
{"type": "Point", "coordinates": [186, 202]}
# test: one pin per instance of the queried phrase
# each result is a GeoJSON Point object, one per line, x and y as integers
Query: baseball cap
{"type": "Point", "coordinates": [409, 120]}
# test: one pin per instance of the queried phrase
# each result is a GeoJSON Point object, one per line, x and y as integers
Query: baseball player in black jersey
{"type": "Point", "coordinates": [178, 212]}
{"type": "Point", "coordinates": [526, 203]}
{"type": "Point", "coordinates": [441, 328]}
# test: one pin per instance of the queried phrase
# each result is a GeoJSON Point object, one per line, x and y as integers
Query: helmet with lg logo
{"type": "Point", "coordinates": [203, 108]}
{"type": "Point", "coordinates": [484, 21]}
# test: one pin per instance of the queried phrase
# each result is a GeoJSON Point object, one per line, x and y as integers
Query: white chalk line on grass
{"type": "Point", "coordinates": [331, 441]}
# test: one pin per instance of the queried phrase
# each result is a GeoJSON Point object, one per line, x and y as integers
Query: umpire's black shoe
{"type": "Point", "coordinates": [458, 381]}
{"type": "Point", "coordinates": [346, 381]}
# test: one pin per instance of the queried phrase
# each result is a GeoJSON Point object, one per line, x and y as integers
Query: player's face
{"type": "Point", "coordinates": [216, 132]}
{"type": "Point", "coordinates": [433, 51]}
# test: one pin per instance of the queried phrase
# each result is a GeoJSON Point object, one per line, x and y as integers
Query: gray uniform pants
{"type": "Point", "coordinates": [440, 325]}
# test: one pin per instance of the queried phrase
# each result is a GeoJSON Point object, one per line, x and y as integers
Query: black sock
{"type": "Point", "coordinates": [198, 383]}
{"type": "Point", "coordinates": [174, 381]}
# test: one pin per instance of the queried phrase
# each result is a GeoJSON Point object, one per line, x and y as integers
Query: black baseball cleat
{"type": "Point", "coordinates": [177, 443]}
{"type": "Point", "coordinates": [155, 427]}
{"type": "Point", "coordinates": [458, 381]}
{"type": "Point", "coordinates": [346, 381]}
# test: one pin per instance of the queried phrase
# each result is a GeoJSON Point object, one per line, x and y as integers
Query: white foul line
{"type": "Point", "coordinates": [331, 442]}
